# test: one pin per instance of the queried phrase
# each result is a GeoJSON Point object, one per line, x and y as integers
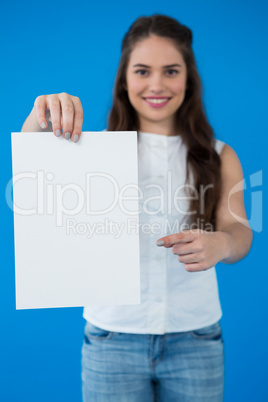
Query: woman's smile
{"type": "Point", "coordinates": [157, 102]}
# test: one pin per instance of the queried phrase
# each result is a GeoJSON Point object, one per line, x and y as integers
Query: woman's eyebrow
{"type": "Point", "coordinates": [169, 66]}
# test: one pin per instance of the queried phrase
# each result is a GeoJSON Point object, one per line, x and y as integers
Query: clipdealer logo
{"type": "Point", "coordinates": [256, 197]}
{"type": "Point", "coordinates": [47, 197]}
{"type": "Point", "coordinates": [49, 200]}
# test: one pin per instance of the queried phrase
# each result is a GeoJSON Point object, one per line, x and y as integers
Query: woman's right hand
{"type": "Point", "coordinates": [65, 113]}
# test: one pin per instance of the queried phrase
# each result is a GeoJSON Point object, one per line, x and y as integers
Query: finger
{"type": "Point", "coordinates": [189, 258]}
{"type": "Point", "coordinates": [182, 237]}
{"type": "Point", "coordinates": [78, 119]}
{"type": "Point", "coordinates": [40, 109]}
{"type": "Point", "coordinates": [185, 248]}
{"type": "Point", "coordinates": [55, 111]}
{"type": "Point", "coordinates": [67, 108]}
{"type": "Point", "coordinates": [195, 267]}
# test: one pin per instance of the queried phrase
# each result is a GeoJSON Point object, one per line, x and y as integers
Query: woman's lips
{"type": "Point", "coordinates": [157, 102]}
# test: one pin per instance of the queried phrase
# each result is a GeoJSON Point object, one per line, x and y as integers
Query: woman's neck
{"type": "Point", "coordinates": [157, 128]}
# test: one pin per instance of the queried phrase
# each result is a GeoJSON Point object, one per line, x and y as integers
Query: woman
{"type": "Point", "coordinates": [169, 347]}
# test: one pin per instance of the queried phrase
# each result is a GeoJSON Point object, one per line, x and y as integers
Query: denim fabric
{"type": "Point", "coordinates": [182, 366]}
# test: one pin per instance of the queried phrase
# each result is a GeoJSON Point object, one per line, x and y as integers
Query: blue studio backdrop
{"type": "Point", "coordinates": [74, 47]}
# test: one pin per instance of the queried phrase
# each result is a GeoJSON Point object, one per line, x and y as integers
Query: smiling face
{"type": "Point", "coordinates": [156, 82]}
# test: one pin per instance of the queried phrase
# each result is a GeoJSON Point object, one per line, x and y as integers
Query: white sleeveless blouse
{"type": "Point", "coordinates": [172, 299]}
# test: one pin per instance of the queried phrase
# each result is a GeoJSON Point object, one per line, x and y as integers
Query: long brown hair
{"type": "Point", "coordinates": [191, 122]}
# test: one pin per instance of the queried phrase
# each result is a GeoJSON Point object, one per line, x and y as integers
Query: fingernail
{"type": "Point", "coordinates": [160, 242]}
{"type": "Point", "coordinates": [58, 133]}
{"type": "Point", "coordinates": [67, 136]}
{"type": "Point", "coordinates": [76, 137]}
{"type": "Point", "coordinates": [43, 124]}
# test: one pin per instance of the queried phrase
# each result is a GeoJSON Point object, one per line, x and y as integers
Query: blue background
{"type": "Point", "coordinates": [74, 47]}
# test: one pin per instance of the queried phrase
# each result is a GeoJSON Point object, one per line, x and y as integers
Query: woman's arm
{"type": "Point", "coordinates": [231, 218]}
{"type": "Point", "coordinates": [200, 250]}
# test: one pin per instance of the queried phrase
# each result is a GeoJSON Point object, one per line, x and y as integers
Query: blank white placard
{"type": "Point", "coordinates": [76, 219]}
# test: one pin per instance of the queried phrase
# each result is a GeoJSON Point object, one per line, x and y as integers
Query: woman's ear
{"type": "Point", "coordinates": [125, 85]}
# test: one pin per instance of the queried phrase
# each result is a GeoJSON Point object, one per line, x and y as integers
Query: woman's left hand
{"type": "Point", "coordinates": [198, 249]}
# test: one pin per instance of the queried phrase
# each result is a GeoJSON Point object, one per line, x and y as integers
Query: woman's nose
{"type": "Point", "coordinates": [156, 83]}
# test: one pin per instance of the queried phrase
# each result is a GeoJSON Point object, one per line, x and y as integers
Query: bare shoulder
{"type": "Point", "coordinates": [231, 203]}
{"type": "Point", "coordinates": [228, 152]}
{"type": "Point", "coordinates": [231, 165]}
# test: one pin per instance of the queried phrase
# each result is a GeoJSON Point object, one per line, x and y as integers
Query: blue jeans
{"type": "Point", "coordinates": [182, 366]}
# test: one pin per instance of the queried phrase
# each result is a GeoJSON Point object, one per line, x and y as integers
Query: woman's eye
{"type": "Point", "coordinates": [168, 72]}
{"type": "Point", "coordinates": [172, 72]}
{"type": "Point", "coordinates": [141, 72]}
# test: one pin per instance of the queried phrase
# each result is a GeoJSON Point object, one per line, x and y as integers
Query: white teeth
{"type": "Point", "coordinates": [157, 100]}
